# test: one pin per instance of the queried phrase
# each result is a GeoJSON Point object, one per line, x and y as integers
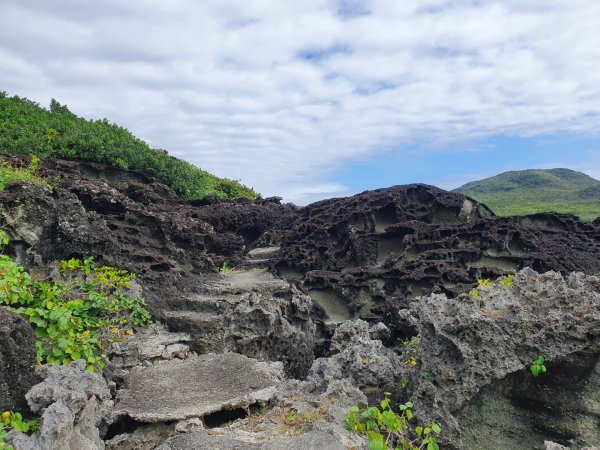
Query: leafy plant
{"type": "Point", "coordinates": [474, 293]}
{"type": "Point", "coordinates": [537, 366]}
{"type": "Point", "coordinates": [387, 429]}
{"type": "Point", "coordinates": [14, 421]}
{"type": "Point", "coordinates": [225, 267]}
{"type": "Point", "coordinates": [507, 282]}
{"type": "Point", "coordinates": [74, 317]}
{"type": "Point", "coordinates": [484, 282]}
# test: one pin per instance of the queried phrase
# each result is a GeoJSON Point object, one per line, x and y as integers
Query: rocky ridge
{"type": "Point", "coordinates": [313, 318]}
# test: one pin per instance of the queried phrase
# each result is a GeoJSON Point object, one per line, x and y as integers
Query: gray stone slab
{"type": "Point", "coordinates": [178, 390]}
{"type": "Point", "coordinates": [313, 440]}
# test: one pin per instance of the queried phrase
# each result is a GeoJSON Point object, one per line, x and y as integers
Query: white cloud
{"type": "Point", "coordinates": [281, 94]}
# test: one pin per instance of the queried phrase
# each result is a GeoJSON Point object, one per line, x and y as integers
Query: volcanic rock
{"type": "Point", "coordinates": [17, 360]}
{"type": "Point", "coordinates": [369, 255]}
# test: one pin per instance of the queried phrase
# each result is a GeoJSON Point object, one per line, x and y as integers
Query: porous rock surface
{"type": "Point", "coordinates": [249, 312]}
{"type": "Point", "coordinates": [399, 258]}
{"type": "Point", "coordinates": [319, 407]}
{"type": "Point", "coordinates": [72, 403]}
{"type": "Point", "coordinates": [359, 359]}
{"type": "Point", "coordinates": [470, 346]}
{"type": "Point", "coordinates": [17, 360]}
{"type": "Point", "coordinates": [371, 254]}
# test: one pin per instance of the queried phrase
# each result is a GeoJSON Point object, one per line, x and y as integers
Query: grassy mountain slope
{"type": "Point", "coordinates": [27, 128]}
{"type": "Point", "coordinates": [532, 191]}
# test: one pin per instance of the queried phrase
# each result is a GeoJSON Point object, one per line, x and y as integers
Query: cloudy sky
{"type": "Point", "coordinates": [318, 98]}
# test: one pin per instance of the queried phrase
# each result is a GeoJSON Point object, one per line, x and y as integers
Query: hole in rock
{"type": "Point", "coordinates": [124, 425]}
{"type": "Point", "coordinates": [220, 418]}
{"type": "Point", "coordinates": [333, 303]}
{"type": "Point", "coordinates": [162, 267]}
{"type": "Point", "coordinates": [385, 217]}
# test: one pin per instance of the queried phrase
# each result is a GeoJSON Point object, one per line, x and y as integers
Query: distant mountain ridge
{"type": "Point", "coordinates": [532, 191]}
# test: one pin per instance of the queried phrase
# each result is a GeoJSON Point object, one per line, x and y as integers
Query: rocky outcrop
{"type": "Point", "coordinates": [72, 403]}
{"type": "Point", "coordinates": [302, 414]}
{"type": "Point", "coordinates": [17, 360]}
{"type": "Point", "coordinates": [129, 220]}
{"type": "Point", "coordinates": [477, 350]}
{"type": "Point", "coordinates": [249, 312]}
{"type": "Point", "coordinates": [366, 363]}
{"type": "Point", "coordinates": [369, 255]}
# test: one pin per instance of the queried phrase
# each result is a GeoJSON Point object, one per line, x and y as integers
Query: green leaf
{"type": "Point", "coordinates": [436, 428]}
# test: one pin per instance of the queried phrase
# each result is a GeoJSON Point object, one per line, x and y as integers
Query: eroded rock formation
{"type": "Point", "coordinates": [401, 258]}
{"type": "Point", "coordinates": [17, 360]}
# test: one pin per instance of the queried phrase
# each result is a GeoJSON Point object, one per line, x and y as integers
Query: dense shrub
{"type": "Point", "coordinates": [28, 129]}
{"type": "Point", "coordinates": [76, 316]}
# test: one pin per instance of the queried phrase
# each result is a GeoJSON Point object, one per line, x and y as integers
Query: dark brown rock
{"type": "Point", "coordinates": [369, 255]}
{"type": "Point", "coordinates": [17, 360]}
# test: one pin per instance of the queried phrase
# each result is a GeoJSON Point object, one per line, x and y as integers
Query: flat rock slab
{"type": "Point", "coordinates": [235, 282]}
{"type": "Point", "coordinates": [179, 390]}
{"type": "Point", "coordinates": [310, 441]}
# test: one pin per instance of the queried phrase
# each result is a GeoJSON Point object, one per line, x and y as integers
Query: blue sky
{"type": "Point", "coordinates": [451, 165]}
{"type": "Point", "coordinates": [321, 98]}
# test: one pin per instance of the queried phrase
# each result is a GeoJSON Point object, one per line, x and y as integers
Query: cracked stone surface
{"type": "Point", "coordinates": [201, 385]}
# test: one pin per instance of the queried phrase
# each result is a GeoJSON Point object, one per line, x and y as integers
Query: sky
{"type": "Point", "coordinates": [324, 98]}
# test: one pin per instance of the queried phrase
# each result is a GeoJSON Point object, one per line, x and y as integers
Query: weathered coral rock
{"type": "Point", "coordinates": [146, 437]}
{"type": "Point", "coordinates": [148, 345]}
{"type": "Point", "coordinates": [364, 362]}
{"type": "Point", "coordinates": [72, 402]}
{"type": "Point", "coordinates": [17, 360]}
{"type": "Point", "coordinates": [249, 312]}
{"type": "Point", "coordinates": [199, 386]}
{"type": "Point", "coordinates": [320, 407]}
{"type": "Point", "coordinates": [204, 440]}
{"type": "Point", "coordinates": [477, 352]}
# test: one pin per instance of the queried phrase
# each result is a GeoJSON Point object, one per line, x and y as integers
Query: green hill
{"type": "Point", "coordinates": [28, 129]}
{"type": "Point", "coordinates": [533, 191]}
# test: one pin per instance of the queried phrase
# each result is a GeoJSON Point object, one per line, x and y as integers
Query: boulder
{"type": "Point", "coordinates": [72, 402]}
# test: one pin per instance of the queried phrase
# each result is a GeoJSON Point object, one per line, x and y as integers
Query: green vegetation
{"type": "Point", "coordinates": [534, 191]}
{"type": "Point", "coordinates": [28, 129]}
{"type": "Point", "coordinates": [411, 346]}
{"type": "Point", "coordinates": [74, 317]}
{"type": "Point", "coordinates": [537, 366]}
{"type": "Point", "coordinates": [387, 429]}
{"type": "Point", "coordinates": [10, 175]}
{"type": "Point", "coordinates": [225, 267]}
{"type": "Point", "coordinates": [10, 420]}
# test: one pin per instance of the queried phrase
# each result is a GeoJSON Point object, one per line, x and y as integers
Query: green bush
{"type": "Point", "coordinates": [387, 429]}
{"type": "Point", "coordinates": [76, 316]}
{"type": "Point", "coordinates": [28, 129]}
